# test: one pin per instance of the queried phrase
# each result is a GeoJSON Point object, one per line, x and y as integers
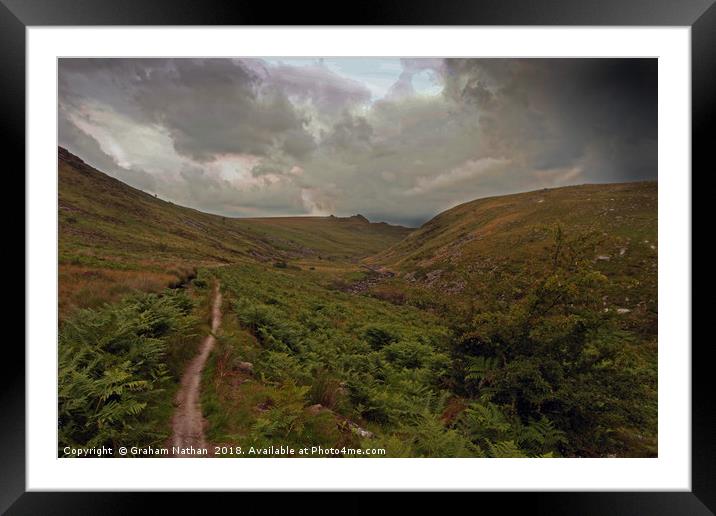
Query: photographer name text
{"type": "Point", "coordinates": [223, 451]}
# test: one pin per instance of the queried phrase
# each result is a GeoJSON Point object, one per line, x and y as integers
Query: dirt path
{"type": "Point", "coordinates": [188, 423]}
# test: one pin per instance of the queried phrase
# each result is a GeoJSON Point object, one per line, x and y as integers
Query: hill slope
{"type": "Point", "coordinates": [513, 233]}
{"type": "Point", "coordinates": [116, 236]}
{"type": "Point", "coordinates": [500, 338]}
{"type": "Point", "coordinates": [506, 225]}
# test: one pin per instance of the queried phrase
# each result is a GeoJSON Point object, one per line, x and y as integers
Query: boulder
{"type": "Point", "coordinates": [315, 409]}
{"type": "Point", "coordinates": [245, 367]}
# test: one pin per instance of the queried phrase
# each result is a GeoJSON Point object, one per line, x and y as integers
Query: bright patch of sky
{"type": "Point", "coordinates": [426, 83]}
{"type": "Point", "coordinates": [377, 74]}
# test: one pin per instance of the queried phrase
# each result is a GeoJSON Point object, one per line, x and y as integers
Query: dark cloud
{"type": "Point", "coordinates": [297, 143]}
{"type": "Point", "coordinates": [269, 167]}
{"type": "Point", "coordinates": [327, 90]}
{"type": "Point", "coordinates": [214, 107]}
{"type": "Point", "coordinates": [349, 134]}
{"type": "Point", "coordinates": [564, 112]}
{"type": "Point", "coordinates": [209, 107]}
{"type": "Point", "coordinates": [253, 137]}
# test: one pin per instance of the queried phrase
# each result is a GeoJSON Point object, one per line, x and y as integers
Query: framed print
{"type": "Point", "coordinates": [437, 249]}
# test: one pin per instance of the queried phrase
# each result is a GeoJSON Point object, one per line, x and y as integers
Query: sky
{"type": "Point", "coordinates": [397, 140]}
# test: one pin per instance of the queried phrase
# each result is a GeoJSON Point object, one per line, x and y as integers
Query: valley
{"type": "Point", "coordinates": [522, 325]}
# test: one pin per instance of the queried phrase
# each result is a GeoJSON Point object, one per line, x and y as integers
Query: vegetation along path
{"type": "Point", "coordinates": [187, 423]}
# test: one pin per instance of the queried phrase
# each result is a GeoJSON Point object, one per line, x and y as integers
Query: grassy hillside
{"type": "Point", "coordinates": [464, 247]}
{"type": "Point", "coordinates": [551, 297]}
{"type": "Point", "coordinates": [115, 238]}
{"type": "Point", "coordinates": [522, 325]}
{"type": "Point", "coordinates": [331, 238]}
{"type": "Point", "coordinates": [509, 226]}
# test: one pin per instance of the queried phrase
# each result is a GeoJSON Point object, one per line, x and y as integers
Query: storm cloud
{"type": "Point", "coordinates": [395, 140]}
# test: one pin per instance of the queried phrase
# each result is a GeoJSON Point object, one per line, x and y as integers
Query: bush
{"type": "Point", "coordinates": [284, 419]}
{"type": "Point", "coordinates": [379, 336]}
{"type": "Point", "coordinates": [325, 389]}
{"type": "Point", "coordinates": [278, 367]}
{"type": "Point", "coordinates": [407, 354]}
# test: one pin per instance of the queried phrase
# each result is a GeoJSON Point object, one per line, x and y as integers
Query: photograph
{"type": "Point", "coordinates": [421, 248]}
{"type": "Point", "coordinates": [357, 257]}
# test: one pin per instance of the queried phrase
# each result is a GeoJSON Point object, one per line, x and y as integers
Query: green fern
{"type": "Point", "coordinates": [505, 449]}
{"type": "Point", "coordinates": [480, 368]}
{"type": "Point", "coordinates": [542, 436]}
{"type": "Point", "coordinates": [112, 368]}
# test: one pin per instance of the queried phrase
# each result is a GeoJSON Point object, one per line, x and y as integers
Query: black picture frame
{"type": "Point", "coordinates": [17, 15]}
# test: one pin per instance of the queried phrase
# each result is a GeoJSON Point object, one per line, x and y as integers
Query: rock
{"type": "Point", "coordinates": [433, 276]}
{"type": "Point", "coordinates": [623, 310]}
{"type": "Point", "coordinates": [315, 409]}
{"type": "Point", "coordinates": [455, 287]}
{"type": "Point", "coordinates": [362, 432]}
{"type": "Point", "coordinates": [246, 367]}
{"type": "Point", "coordinates": [603, 258]}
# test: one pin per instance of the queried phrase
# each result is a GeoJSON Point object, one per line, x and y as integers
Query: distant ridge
{"type": "Point", "coordinates": [192, 233]}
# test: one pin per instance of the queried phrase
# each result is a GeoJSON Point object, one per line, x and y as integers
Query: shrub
{"type": "Point", "coordinates": [285, 418]}
{"type": "Point", "coordinates": [407, 354]}
{"type": "Point", "coordinates": [325, 389]}
{"type": "Point", "coordinates": [379, 336]}
{"type": "Point", "coordinates": [278, 367]}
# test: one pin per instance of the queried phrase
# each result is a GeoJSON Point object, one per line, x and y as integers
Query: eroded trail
{"type": "Point", "coordinates": [188, 423]}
